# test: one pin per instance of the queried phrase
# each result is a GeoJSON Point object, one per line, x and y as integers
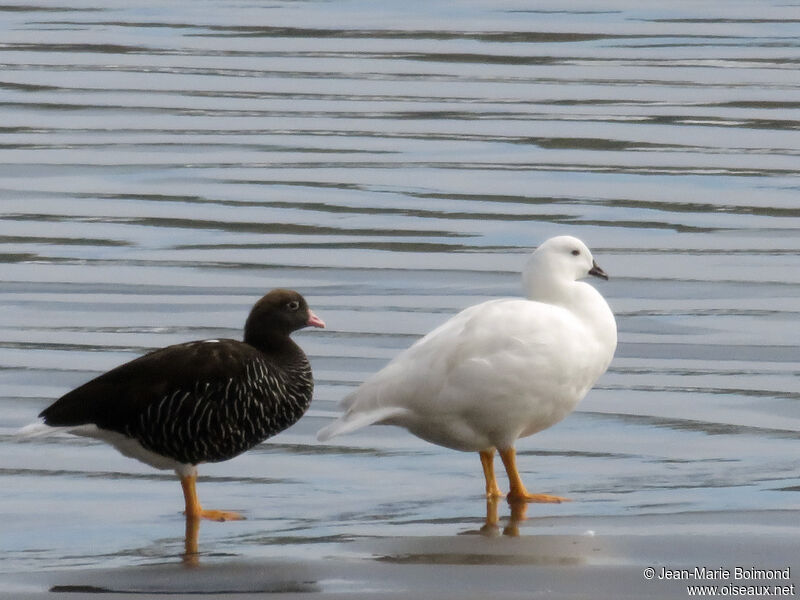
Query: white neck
{"type": "Point", "coordinates": [581, 299]}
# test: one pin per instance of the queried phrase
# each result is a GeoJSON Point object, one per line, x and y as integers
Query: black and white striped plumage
{"type": "Point", "coordinates": [197, 402]}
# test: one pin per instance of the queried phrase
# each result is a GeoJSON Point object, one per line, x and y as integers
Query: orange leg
{"type": "Point", "coordinates": [518, 492]}
{"type": "Point", "coordinates": [193, 508]}
{"type": "Point", "coordinates": [487, 461]}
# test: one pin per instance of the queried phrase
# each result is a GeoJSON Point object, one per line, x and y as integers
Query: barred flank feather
{"type": "Point", "coordinates": [215, 422]}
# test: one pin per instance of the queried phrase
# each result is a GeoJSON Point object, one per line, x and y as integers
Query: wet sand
{"type": "Point", "coordinates": [607, 561]}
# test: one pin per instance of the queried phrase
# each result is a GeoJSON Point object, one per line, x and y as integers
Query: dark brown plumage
{"type": "Point", "coordinates": [204, 401]}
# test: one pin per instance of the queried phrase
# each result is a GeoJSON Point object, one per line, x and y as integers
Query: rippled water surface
{"type": "Point", "coordinates": [162, 165]}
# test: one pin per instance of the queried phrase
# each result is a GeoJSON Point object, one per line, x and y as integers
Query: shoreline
{"type": "Point", "coordinates": [471, 565]}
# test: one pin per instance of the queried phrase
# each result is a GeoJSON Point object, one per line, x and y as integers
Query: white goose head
{"type": "Point", "coordinates": [557, 263]}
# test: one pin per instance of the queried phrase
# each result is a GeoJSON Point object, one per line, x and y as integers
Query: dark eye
{"type": "Point", "coordinates": [576, 252]}
{"type": "Point", "coordinates": [293, 305]}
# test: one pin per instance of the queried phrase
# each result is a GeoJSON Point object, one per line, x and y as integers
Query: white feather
{"type": "Point", "coordinates": [38, 429]}
{"type": "Point", "coordinates": [498, 370]}
{"type": "Point", "coordinates": [125, 445]}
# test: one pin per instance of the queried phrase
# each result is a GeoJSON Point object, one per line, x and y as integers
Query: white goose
{"type": "Point", "coordinates": [499, 370]}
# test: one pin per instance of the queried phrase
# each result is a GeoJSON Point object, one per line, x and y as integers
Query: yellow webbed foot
{"type": "Point", "coordinates": [524, 496]}
{"type": "Point", "coordinates": [518, 492]}
{"type": "Point", "coordinates": [220, 515]}
{"type": "Point", "coordinates": [193, 508]}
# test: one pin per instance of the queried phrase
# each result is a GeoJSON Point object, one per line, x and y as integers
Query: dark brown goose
{"type": "Point", "coordinates": [204, 401]}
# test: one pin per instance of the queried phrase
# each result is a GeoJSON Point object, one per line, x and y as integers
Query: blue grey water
{"type": "Point", "coordinates": [162, 165]}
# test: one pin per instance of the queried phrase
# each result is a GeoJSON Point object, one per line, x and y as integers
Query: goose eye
{"type": "Point", "coordinates": [576, 252]}
{"type": "Point", "coordinates": [293, 305]}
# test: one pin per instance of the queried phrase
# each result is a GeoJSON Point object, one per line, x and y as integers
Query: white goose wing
{"type": "Point", "coordinates": [385, 394]}
{"type": "Point", "coordinates": [497, 349]}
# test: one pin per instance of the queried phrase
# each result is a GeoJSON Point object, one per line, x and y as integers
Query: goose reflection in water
{"type": "Point", "coordinates": [191, 554]}
{"type": "Point", "coordinates": [491, 526]}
